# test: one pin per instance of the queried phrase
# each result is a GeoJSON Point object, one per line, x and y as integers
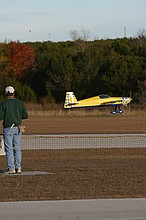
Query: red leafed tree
{"type": "Point", "coordinates": [20, 60]}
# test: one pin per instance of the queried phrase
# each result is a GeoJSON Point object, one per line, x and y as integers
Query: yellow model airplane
{"type": "Point", "coordinates": [96, 101]}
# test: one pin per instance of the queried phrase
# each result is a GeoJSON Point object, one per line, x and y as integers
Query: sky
{"type": "Point", "coordinates": [54, 20]}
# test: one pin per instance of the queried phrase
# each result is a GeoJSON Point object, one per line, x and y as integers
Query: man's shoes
{"type": "Point", "coordinates": [14, 171]}
{"type": "Point", "coordinates": [10, 171]}
{"type": "Point", "coordinates": [18, 170]}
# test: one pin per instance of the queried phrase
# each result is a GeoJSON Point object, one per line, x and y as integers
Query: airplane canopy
{"type": "Point", "coordinates": [104, 96]}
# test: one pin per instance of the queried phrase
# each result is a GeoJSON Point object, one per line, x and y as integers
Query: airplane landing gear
{"type": "Point", "coordinates": [117, 110]}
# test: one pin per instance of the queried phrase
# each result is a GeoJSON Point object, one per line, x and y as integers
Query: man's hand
{"type": "Point", "coordinates": [21, 129]}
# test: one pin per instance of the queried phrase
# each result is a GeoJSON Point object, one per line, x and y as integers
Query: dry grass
{"type": "Point", "coordinates": [78, 174]}
{"type": "Point", "coordinates": [55, 110]}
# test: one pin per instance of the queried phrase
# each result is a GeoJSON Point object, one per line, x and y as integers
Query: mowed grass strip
{"type": "Point", "coordinates": [77, 174]}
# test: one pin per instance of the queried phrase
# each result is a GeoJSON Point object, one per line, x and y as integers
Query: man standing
{"type": "Point", "coordinates": [12, 111]}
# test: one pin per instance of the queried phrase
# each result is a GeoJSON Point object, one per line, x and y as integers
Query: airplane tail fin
{"type": "Point", "coordinates": [70, 100]}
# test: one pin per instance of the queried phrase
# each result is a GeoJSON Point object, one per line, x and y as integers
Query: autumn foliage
{"type": "Point", "coordinates": [116, 67]}
{"type": "Point", "coordinates": [20, 59]}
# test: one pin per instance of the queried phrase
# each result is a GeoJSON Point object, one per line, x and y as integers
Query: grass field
{"type": "Point", "coordinates": [79, 174]}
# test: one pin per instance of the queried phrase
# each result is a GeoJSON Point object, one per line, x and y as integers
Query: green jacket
{"type": "Point", "coordinates": [12, 111]}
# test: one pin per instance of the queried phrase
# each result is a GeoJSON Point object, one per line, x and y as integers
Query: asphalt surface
{"type": "Point", "coordinates": [102, 209]}
{"type": "Point", "coordinates": [82, 141]}
{"type": "Point", "coordinates": [26, 173]}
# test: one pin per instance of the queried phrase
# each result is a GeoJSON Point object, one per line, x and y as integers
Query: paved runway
{"type": "Point", "coordinates": [74, 141]}
{"type": "Point", "coordinates": [80, 141]}
{"type": "Point", "coordinates": [102, 209]}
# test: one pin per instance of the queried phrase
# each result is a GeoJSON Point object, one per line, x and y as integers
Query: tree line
{"type": "Point", "coordinates": [44, 71]}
